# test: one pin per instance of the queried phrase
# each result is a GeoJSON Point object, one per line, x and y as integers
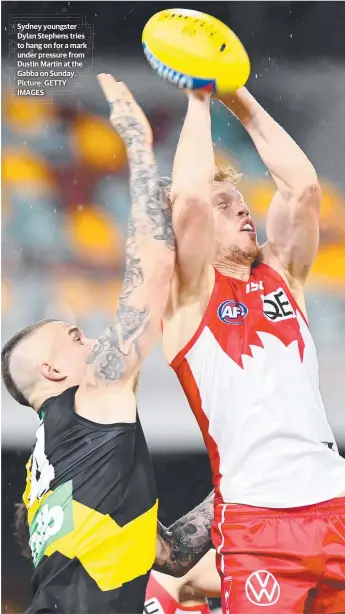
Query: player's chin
{"type": "Point", "coordinates": [249, 245]}
{"type": "Point", "coordinates": [248, 239]}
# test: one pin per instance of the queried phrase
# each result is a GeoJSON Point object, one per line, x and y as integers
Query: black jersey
{"type": "Point", "coordinates": [92, 513]}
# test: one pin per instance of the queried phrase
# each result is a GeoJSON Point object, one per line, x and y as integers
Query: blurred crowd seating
{"type": "Point", "coordinates": [65, 205]}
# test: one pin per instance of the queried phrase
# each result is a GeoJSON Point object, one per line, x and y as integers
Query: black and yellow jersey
{"type": "Point", "coordinates": [92, 513]}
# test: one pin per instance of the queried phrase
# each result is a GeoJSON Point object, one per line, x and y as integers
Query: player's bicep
{"type": "Point", "coordinates": [293, 231]}
{"type": "Point", "coordinates": [193, 227]}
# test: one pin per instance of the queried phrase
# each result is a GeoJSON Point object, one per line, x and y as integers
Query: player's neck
{"type": "Point", "coordinates": [44, 392]}
{"type": "Point", "coordinates": [232, 269]}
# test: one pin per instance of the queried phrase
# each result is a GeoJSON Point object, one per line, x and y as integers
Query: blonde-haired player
{"type": "Point", "coordinates": [236, 333]}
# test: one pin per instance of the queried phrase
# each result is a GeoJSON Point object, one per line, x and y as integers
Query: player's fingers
{"type": "Point", "coordinates": [198, 94]}
{"type": "Point", "coordinates": [107, 83]}
{"type": "Point", "coordinates": [113, 89]}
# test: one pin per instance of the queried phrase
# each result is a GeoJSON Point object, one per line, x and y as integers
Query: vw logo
{"type": "Point", "coordinates": [262, 588]}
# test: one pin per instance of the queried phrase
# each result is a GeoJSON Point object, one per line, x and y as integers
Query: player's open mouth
{"type": "Point", "coordinates": [248, 227]}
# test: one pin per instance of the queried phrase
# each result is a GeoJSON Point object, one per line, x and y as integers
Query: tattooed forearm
{"type": "Point", "coordinates": [151, 211]}
{"type": "Point", "coordinates": [114, 345]}
{"type": "Point", "coordinates": [133, 274]}
{"type": "Point", "coordinates": [149, 221]}
{"type": "Point", "coordinates": [186, 541]}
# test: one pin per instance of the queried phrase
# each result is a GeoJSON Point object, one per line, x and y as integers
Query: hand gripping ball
{"type": "Point", "coordinates": [195, 51]}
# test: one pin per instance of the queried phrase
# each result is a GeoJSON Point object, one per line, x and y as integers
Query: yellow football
{"type": "Point", "coordinates": [195, 51]}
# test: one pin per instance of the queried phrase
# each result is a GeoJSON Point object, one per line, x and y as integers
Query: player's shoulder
{"type": "Point", "coordinates": [60, 416]}
{"type": "Point", "coordinates": [74, 444]}
{"type": "Point", "coordinates": [182, 295]}
{"type": "Point", "coordinates": [277, 273]}
{"type": "Point", "coordinates": [107, 405]}
{"type": "Point", "coordinates": [267, 258]}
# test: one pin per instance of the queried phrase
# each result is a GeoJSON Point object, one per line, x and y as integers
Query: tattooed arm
{"type": "Point", "coordinates": [184, 543]}
{"type": "Point", "coordinates": [116, 358]}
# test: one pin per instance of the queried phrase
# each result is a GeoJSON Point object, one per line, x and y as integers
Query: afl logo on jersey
{"type": "Point", "coordinates": [232, 312]}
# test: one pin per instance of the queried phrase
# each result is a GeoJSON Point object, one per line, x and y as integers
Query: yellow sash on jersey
{"type": "Point", "coordinates": [111, 555]}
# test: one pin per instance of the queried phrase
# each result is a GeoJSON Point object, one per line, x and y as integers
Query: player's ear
{"type": "Point", "coordinates": [54, 375]}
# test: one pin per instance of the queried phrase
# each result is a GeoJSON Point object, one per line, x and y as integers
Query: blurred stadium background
{"type": "Point", "coordinates": [65, 204]}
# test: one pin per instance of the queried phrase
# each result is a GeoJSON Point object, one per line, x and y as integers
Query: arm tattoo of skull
{"type": "Point", "coordinates": [186, 541]}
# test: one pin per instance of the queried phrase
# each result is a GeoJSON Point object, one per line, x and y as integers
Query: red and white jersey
{"type": "Point", "coordinates": [159, 601]}
{"type": "Point", "coordinates": [250, 374]}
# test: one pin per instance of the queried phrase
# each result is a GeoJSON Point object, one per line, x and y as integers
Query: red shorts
{"type": "Point", "coordinates": [288, 560]}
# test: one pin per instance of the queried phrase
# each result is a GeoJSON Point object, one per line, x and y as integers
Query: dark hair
{"type": "Point", "coordinates": [6, 355]}
{"type": "Point", "coordinates": [21, 529]}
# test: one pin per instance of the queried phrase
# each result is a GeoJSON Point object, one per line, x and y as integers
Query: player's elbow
{"type": "Point", "coordinates": [306, 187]}
{"type": "Point", "coordinates": [310, 195]}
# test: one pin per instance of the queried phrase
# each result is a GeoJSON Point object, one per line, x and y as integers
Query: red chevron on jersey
{"type": "Point", "coordinates": [270, 310]}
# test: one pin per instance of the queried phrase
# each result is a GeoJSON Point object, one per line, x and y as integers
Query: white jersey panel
{"type": "Point", "coordinates": [275, 446]}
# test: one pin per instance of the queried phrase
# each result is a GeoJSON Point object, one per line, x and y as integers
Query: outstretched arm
{"type": "Point", "coordinates": [192, 181]}
{"type": "Point", "coordinates": [119, 352]}
{"type": "Point", "coordinates": [293, 217]}
{"type": "Point", "coordinates": [184, 543]}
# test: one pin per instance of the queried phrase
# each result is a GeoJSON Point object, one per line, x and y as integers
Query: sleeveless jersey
{"type": "Point", "coordinates": [159, 601]}
{"type": "Point", "coordinates": [250, 374]}
{"type": "Point", "coordinates": [92, 513]}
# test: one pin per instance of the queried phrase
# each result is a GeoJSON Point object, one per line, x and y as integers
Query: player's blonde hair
{"type": "Point", "coordinates": [227, 173]}
{"type": "Point", "coordinates": [221, 173]}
